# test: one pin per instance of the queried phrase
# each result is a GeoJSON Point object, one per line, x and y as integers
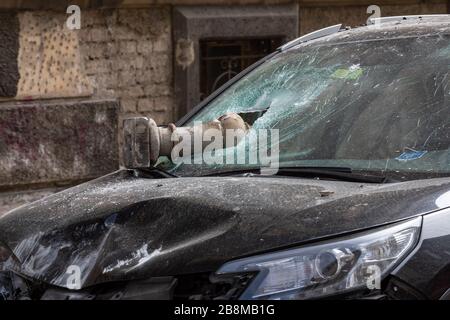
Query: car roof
{"type": "Point", "coordinates": [378, 29]}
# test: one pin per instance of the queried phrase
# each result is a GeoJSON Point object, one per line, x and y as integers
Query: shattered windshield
{"type": "Point", "coordinates": [379, 105]}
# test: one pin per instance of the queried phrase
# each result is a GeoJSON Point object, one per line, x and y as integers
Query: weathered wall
{"type": "Point", "coordinates": [62, 4]}
{"type": "Point", "coordinates": [128, 54]}
{"type": "Point", "coordinates": [50, 60]}
{"type": "Point", "coordinates": [43, 143]}
{"type": "Point", "coordinates": [124, 54]}
{"type": "Point", "coordinates": [9, 48]}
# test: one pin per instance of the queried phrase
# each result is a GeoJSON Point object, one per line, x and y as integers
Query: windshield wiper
{"type": "Point", "coordinates": [338, 173]}
{"type": "Point", "coordinates": [334, 173]}
{"type": "Point", "coordinates": [154, 172]}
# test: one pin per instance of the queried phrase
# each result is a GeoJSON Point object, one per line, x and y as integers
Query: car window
{"type": "Point", "coordinates": [380, 104]}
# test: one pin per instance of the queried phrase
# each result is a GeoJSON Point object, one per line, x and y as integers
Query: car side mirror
{"type": "Point", "coordinates": [136, 146]}
{"type": "Point", "coordinates": [144, 141]}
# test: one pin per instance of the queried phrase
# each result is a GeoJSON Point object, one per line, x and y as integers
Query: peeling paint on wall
{"type": "Point", "coordinates": [49, 58]}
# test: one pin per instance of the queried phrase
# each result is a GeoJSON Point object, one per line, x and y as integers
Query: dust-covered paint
{"type": "Point", "coordinates": [127, 226]}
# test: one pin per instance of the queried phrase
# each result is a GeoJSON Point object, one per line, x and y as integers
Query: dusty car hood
{"type": "Point", "coordinates": [123, 227]}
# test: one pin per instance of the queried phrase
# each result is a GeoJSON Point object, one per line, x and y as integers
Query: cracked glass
{"type": "Point", "coordinates": [380, 104]}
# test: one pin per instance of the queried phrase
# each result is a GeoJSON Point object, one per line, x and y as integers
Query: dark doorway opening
{"type": "Point", "coordinates": [222, 59]}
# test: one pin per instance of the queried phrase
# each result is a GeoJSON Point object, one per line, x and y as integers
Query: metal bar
{"type": "Point", "coordinates": [373, 21]}
{"type": "Point", "coordinates": [311, 36]}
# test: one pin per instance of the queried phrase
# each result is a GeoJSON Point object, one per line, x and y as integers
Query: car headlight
{"type": "Point", "coordinates": [329, 267]}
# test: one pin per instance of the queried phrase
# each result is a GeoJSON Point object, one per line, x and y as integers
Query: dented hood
{"type": "Point", "coordinates": [123, 227]}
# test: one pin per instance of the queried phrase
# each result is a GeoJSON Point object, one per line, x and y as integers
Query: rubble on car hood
{"type": "Point", "coordinates": [123, 227]}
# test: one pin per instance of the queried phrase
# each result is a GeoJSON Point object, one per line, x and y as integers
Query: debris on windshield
{"type": "Point", "coordinates": [411, 154]}
{"type": "Point", "coordinates": [326, 193]}
{"type": "Point", "coordinates": [352, 73]}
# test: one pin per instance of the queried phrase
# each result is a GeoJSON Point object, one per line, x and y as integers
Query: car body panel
{"type": "Point", "coordinates": [427, 268]}
{"type": "Point", "coordinates": [126, 227]}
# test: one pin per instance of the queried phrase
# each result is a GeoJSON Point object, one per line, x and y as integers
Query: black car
{"type": "Point", "coordinates": [358, 208]}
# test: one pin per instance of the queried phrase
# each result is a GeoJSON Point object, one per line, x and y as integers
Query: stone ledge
{"type": "Point", "coordinates": [48, 141]}
{"type": "Point", "coordinates": [63, 4]}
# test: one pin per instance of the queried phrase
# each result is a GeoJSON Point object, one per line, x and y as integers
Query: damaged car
{"type": "Point", "coordinates": [358, 206]}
